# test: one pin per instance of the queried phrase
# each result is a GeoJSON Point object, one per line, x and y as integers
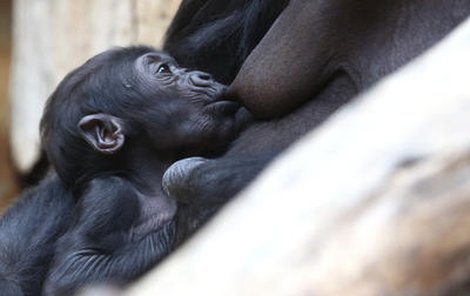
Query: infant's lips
{"type": "Point", "coordinates": [226, 107]}
{"type": "Point", "coordinates": [220, 95]}
{"type": "Point", "coordinates": [223, 103]}
{"type": "Point", "coordinates": [230, 94]}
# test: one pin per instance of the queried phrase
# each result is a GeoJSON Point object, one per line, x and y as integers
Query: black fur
{"type": "Point", "coordinates": [221, 33]}
{"type": "Point", "coordinates": [28, 233]}
{"type": "Point", "coordinates": [111, 129]}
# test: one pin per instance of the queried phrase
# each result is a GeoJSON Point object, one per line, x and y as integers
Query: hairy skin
{"type": "Point", "coordinates": [220, 33]}
{"type": "Point", "coordinates": [315, 57]}
{"type": "Point", "coordinates": [295, 71]}
{"type": "Point", "coordinates": [111, 129]}
{"type": "Point", "coordinates": [28, 234]}
{"type": "Point", "coordinates": [108, 242]}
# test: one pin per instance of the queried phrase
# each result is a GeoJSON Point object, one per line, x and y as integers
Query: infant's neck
{"type": "Point", "coordinates": [146, 173]}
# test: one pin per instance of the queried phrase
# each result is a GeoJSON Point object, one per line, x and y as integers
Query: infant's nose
{"type": "Point", "coordinates": [199, 78]}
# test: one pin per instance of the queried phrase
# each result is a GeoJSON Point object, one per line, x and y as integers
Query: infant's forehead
{"type": "Point", "coordinates": [157, 55]}
{"type": "Point", "coordinates": [118, 56]}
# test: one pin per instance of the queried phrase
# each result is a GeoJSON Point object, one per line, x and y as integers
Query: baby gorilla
{"type": "Point", "coordinates": [111, 129]}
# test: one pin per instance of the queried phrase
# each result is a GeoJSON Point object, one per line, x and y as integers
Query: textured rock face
{"type": "Point", "coordinates": [52, 37]}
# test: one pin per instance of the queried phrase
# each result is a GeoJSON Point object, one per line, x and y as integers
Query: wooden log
{"type": "Point", "coordinates": [374, 202]}
{"type": "Point", "coordinates": [51, 37]}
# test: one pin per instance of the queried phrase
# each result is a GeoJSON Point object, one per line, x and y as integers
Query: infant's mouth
{"type": "Point", "coordinates": [225, 107]}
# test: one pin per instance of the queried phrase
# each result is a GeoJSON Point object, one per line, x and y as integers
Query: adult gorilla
{"type": "Point", "coordinates": [315, 56]}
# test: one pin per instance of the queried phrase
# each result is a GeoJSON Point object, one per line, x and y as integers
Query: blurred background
{"type": "Point", "coordinates": [41, 41]}
{"type": "Point", "coordinates": [8, 184]}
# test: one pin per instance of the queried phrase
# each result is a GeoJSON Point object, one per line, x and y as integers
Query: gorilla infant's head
{"type": "Point", "coordinates": [133, 99]}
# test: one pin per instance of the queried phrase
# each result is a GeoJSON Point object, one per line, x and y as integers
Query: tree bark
{"type": "Point", "coordinates": [374, 202]}
{"type": "Point", "coordinates": [51, 37]}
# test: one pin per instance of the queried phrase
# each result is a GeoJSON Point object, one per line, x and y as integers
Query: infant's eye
{"type": "Point", "coordinates": [163, 68]}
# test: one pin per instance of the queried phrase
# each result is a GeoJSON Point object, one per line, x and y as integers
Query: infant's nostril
{"type": "Point", "coordinates": [199, 78]}
{"type": "Point", "coordinates": [204, 76]}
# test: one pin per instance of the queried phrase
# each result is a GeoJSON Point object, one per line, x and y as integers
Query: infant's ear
{"type": "Point", "coordinates": [103, 132]}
